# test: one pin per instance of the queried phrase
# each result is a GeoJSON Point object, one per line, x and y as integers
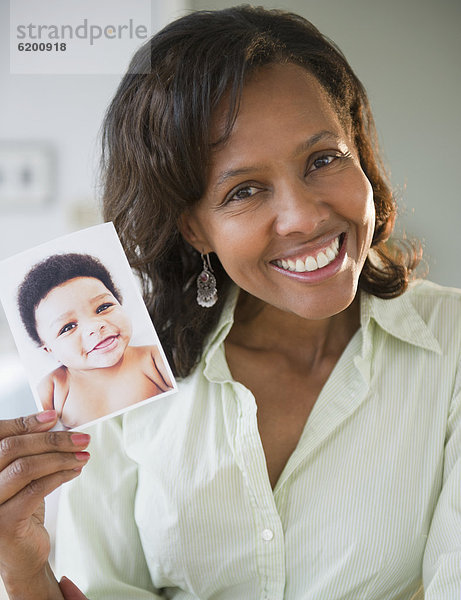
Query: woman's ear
{"type": "Point", "coordinates": [191, 231]}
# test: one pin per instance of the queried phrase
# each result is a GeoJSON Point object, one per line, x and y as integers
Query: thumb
{"type": "Point", "coordinates": [70, 591]}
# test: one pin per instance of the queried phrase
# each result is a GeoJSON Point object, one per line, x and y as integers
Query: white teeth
{"type": "Point", "coordinates": [330, 254]}
{"type": "Point", "coordinates": [300, 266]}
{"type": "Point", "coordinates": [311, 264]}
{"type": "Point", "coordinates": [323, 259]}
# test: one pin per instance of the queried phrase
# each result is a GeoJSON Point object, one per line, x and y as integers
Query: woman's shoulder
{"type": "Point", "coordinates": [439, 307]}
{"type": "Point", "coordinates": [427, 315]}
{"type": "Point", "coordinates": [428, 289]}
{"type": "Point", "coordinates": [430, 298]}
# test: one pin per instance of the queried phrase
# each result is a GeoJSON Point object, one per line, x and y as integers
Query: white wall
{"type": "Point", "coordinates": [408, 55]}
{"type": "Point", "coordinates": [67, 111]}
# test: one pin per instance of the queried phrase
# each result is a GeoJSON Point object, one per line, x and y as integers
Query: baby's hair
{"type": "Point", "coordinates": [51, 272]}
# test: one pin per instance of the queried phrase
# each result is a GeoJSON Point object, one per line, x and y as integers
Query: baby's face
{"type": "Point", "coordinates": [82, 325]}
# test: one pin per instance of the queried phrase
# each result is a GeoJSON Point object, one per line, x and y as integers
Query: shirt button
{"type": "Point", "coordinates": [267, 535]}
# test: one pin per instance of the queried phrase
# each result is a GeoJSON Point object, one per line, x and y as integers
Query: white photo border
{"type": "Point", "coordinates": [102, 242]}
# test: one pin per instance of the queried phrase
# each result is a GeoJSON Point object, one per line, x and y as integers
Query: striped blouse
{"type": "Point", "coordinates": [176, 501]}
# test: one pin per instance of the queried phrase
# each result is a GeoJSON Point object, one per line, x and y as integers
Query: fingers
{"type": "Point", "coordinates": [18, 509]}
{"type": "Point", "coordinates": [27, 472]}
{"type": "Point", "coordinates": [29, 453]}
{"type": "Point", "coordinates": [30, 424]}
{"type": "Point", "coordinates": [70, 591]}
{"type": "Point", "coordinates": [19, 446]}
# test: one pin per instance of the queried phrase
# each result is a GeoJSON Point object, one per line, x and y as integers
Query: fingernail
{"type": "Point", "coordinates": [80, 439]}
{"type": "Point", "coordinates": [82, 455]}
{"type": "Point", "coordinates": [46, 416]}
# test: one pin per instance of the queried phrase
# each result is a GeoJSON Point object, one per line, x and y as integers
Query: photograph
{"type": "Point", "coordinates": [283, 178]}
{"type": "Point", "coordinates": [86, 340]}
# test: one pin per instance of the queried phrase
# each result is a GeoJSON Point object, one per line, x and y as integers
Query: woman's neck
{"type": "Point", "coordinates": [260, 326]}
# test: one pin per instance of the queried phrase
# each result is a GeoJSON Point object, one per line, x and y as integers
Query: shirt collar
{"type": "Point", "coordinates": [216, 368]}
{"type": "Point", "coordinates": [396, 316]}
{"type": "Point", "coordinates": [399, 318]}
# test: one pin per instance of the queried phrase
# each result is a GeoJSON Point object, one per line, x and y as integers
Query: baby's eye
{"type": "Point", "coordinates": [103, 307]}
{"type": "Point", "coordinates": [67, 328]}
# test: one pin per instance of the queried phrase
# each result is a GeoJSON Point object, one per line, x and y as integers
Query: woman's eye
{"type": "Point", "coordinates": [103, 307]}
{"type": "Point", "coordinates": [324, 161]}
{"type": "Point", "coordinates": [243, 193]}
{"type": "Point", "coordinates": [67, 328]}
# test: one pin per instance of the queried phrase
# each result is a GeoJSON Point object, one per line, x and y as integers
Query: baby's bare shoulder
{"type": "Point", "coordinates": [145, 357]}
{"type": "Point", "coordinates": [57, 376]}
{"type": "Point", "coordinates": [48, 386]}
{"type": "Point", "coordinates": [149, 359]}
{"type": "Point", "coordinates": [142, 352]}
{"type": "Point", "coordinates": [60, 375]}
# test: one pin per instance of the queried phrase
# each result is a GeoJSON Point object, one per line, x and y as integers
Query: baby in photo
{"type": "Point", "coordinates": [72, 309]}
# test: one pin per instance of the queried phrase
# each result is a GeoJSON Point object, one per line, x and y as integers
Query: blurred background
{"type": "Point", "coordinates": [407, 54]}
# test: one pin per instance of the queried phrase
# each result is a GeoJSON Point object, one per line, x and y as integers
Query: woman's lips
{"type": "Point", "coordinates": [319, 260]}
{"type": "Point", "coordinates": [316, 268]}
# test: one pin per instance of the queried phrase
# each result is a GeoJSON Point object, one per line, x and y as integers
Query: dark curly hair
{"type": "Point", "coordinates": [51, 272]}
{"type": "Point", "coordinates": [156, 148]}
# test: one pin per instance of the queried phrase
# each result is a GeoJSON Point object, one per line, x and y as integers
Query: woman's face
{"type": "Point", "coordinates": [287, 209]}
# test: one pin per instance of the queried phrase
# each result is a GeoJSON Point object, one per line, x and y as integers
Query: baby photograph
{"type": "Point", "coordinates": [82, 329]}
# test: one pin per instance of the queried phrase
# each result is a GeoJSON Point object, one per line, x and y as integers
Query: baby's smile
{"type": "Point", "coordinates": [106, 344]}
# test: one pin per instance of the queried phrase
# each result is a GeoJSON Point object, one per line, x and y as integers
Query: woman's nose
{"type": "Point", "coordinates": [299, 210]}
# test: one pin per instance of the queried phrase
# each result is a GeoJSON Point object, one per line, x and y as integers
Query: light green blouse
{"type": "Point", "coordinates": [176, 501]}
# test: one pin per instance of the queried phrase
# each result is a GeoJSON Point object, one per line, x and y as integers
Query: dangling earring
{"type": "Point", "coordinates": [207, 295]}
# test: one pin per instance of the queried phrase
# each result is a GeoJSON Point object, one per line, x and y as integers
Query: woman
{"type": "Point", "coordinates": [313, 449]}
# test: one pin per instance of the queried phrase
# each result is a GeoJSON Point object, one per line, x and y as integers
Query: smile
{"type": "Point", "coordinates": [106, 344]}
{"type": "Point", "coordinates": [311, 263]}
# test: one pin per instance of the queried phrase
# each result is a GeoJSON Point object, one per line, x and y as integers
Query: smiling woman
{"type": "Point", "coordinates": [285, 186]}
{"type": "Point", "coordinates": [184, 128]}
{"type": "Point", "coordinates": [313, 449]}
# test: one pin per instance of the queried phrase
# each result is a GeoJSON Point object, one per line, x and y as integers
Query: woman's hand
{"type": "Point", "coordinates": [33, 462]}
{"type": "Point", "coordinates": [70, 591]}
